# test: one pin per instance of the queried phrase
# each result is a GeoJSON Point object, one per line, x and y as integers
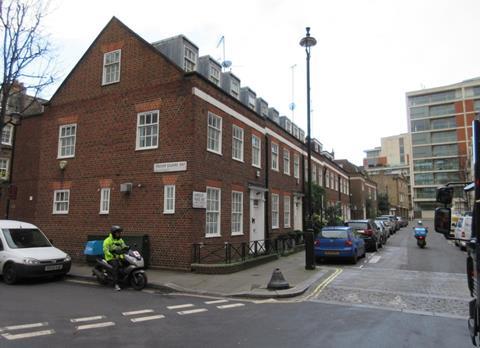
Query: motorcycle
{"type": "Point", "coordinates": [421, 236]}
{"type": "Point", "coordinates": [130, 273]}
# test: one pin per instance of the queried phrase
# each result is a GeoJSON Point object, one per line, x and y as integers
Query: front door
{"type": "Point", "coordinates": [297, 214]}
{"type": "Point", "coordinates": [257, 216]}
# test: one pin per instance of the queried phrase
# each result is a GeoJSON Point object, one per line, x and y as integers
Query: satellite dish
{"type": "Point", "coordinates": [226, 64]}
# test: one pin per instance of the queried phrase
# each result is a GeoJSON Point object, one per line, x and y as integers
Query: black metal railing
{"type": "Point", "coordinates": [228, 252]}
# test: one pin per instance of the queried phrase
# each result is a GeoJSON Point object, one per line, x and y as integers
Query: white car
{"type": "Point", "coordinates": [463, 230]}
{"type": "Point", "coordinates": [25, 252]}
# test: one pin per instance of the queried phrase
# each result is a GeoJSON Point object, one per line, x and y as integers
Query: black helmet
{"type": "Point", "coordinates": [116, 229]}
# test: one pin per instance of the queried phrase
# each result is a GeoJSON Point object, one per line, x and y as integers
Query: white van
{"type": "Point", "coordinates": [25, 252]}
{"type": "Point", "coordinates": [463, 230]}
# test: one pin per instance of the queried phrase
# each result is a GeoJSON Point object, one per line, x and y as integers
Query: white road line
{"type": "Point", "coordinates": [79, 320]}
{"type": "Point", "coordinates": [95, 326]}
{"type": "Point", "coordinates": [180, 306]}
{"type": "Point", "coordinates": [25, 326]}
{"type": "Point", "coordinates": [375, 259]}
{"type": "Point", "coordinates": [233, 305]}
{"type": "Point", "coordinates": [143, 311]}
{"type": "Point", "coordinates": [193, 311]}
{"type": "Point", "coordinates": [27, 334]}
{"type": "Point", "coordinates": [216, 301]}
{"type": "Point", "coordinates": [152, 317]}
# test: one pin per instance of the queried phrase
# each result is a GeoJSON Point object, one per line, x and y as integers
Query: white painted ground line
{"type": "Point", "coordinates": [79, 320]}
{"type": "Point", "coordinates": [216, 301]}
{"type": "Point", "coordinates": [143, 311]}
{"type": "Point", "coordinates": [193, 311]}
{"type": "Point", "coordinates": [27, 334]}
{"type": "Point", "coordinates": [233, 305]}
{"type": "Point", "coordinates": [374, 259]}
{"type": "Point", "coordinates": [152, 317]}
{"type": "Point", "coordinates": [24, 326]}
{"type": "Point", "coordinates": [95, 326]}
{"type": "Point", "coordinates": [180, 306]}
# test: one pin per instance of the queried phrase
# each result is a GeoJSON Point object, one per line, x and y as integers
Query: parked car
{"type": "Point", "coordinates": [367, 230]}
{"type": "Point", "coordinates": [339, 241]}
{"type": "Point", "coordinates": [402, 221]}
{"type": "Point", "coordinates": [463, 230]}
{"type": "Point", "coordinates": [384, 230]}
{"type": "Point", "coordinates": [388, 223]}
{"type": "Point", "coordinates": [25, 252]}
{"type": "Point", "coordinates": [395, 223]}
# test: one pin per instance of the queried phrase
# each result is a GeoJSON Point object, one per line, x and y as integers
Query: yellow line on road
{"type": "Point", "coordinates": [324, 284]}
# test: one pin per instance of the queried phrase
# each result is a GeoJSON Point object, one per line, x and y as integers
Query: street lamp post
{"type": "Point", "coordinates": [15, 120]}
{"type": "Point", "coordinates": [309, 42]}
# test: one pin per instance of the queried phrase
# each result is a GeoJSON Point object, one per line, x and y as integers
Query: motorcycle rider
{"type": "Point", "coordinates": [111, 247]}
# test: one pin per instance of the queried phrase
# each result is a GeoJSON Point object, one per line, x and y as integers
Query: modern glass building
{"type": "Point", "coordinates": [439, 121]}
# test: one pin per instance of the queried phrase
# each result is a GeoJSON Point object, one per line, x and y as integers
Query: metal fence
{"type": "Point", "coordinates": [228, 252]}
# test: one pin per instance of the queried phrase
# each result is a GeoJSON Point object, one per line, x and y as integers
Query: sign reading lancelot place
{"type": "Point", "coordinates": [199, 200]}
{"type": "Point", "coordinates": [170, 167]}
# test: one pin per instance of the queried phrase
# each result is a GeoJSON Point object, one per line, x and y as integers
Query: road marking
{"type": "Point", "coordinates": [216, 301]}
{"type": "Point", "coordinates": [143, 311]}
{"type": "Point", "coordinates": [180, 306]}
{"type": "Point", "coordinates": [374, 259]}
{"type": "Point", "coordinates": [324, 284]}
{"type": "Point", "coordinates": [79, 320]}
{"type": "Point", "coordinates": [95, 326]}
{"type": "Point", "coordinates": [193, 311]}
{"type": "Point", "coordinates": [28, 334]}
{"type": "Point", "coordinates": [24, 326]}
{"type": "Point", "coordinates": [152, 317]}
{"type": "Point", "coordinates": [231, 306]}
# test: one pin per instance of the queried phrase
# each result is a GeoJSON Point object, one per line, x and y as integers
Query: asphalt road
{"type": "Point", "coordinates": [401, 296]}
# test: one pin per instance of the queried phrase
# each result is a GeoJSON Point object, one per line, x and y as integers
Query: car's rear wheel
{"type": "Point", "coordinates": [9, 274]}
{"type": "Point", "coordinates": [354, 257]}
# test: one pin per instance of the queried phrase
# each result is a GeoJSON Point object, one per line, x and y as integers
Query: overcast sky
{"type": "Point", "coordinates": [369, 53]}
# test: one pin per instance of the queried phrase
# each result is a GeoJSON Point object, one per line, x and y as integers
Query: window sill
{"type": "Point", "coordinates": [168, 213]}
{"type": "Point", "coordinates": [110, 83]}
{"type": "Point", "coordinates": [256, 166]}
{"type": "Point", "coordinates": [213, 235]}
{"type": "Point", "coordinates": [65, 157]}
{"type": "Point", "coordinates": [237, 234]}
{"type": "Point", "coordinates": [60, 213]}
{"type": "Point", "coordinates": [146, 148]}
{"type": "Point", "coordinates": [103, 213]}
{"type": "Point", "coordinates": [275, 227]}
{"type": "Point", "coordinates": [215, 152]}
{"type": "Point", "coordinates": [238, 160]}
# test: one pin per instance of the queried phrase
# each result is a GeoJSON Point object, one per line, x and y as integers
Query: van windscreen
{"type": "Point", "coordinates": [18, 238]}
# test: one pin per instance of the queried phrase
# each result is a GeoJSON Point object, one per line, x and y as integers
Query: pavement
{"type": "Point", "coordinates": [249, 283]}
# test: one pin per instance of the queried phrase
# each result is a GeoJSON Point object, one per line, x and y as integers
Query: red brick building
{"type": "Point", "coordinates": [131, 138]}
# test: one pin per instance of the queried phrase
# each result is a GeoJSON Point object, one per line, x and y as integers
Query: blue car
{"type": "Point", "coordinates": [339, 242]}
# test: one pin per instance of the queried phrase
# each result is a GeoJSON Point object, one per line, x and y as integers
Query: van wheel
{"type": "Point", "coordinates": [354, 258]}
{"type": "Point", "coordinates": [9, 274]}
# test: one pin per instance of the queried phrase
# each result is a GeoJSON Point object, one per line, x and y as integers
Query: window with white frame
{"type": "Point", "coordinates": [237, 143]}
{"type": "Point", "coordinates": [275, 206]}
{"type": "Point", "coordinates": [214, 75]}
{"type": "Point", "coordinates": [332, 181]}
{"type": "Point", "coordinates": [235, 89]}
{"type": "Point", "coordinates": [7, 134]}
{"type": "Point", "coordinates": [105, 200]}
{"type": "Point", "coordinates": [3, 168]}
{"type": "Point", "coordinates": [237, 213]}
{"type": "Point", "coordinates": [214, 133]}
{"type": "Point", "coordinates": [286, 211]}
{"type": "Point", "coordinates": [320, 176]}
{"type": "Point", "coordinates": [66, 141]}
{"type": "Point", "coordinates": [305, 172]}
{"type": "Point", "coordinates": [61, 199]}
{"type": "Point", "coordinates": [213, 212]}
{"type": "Point", "coordinates": [169, 199]}
{"type": "Point", "coordinates": [275, 156]}
{"type": "Point", "coordinates": [314, 173]}
{"type": "Point", "coordinates": [286, 161]}
{"type": "Point", "coordinates": [111, 67]}
{"type": "Point", "coordinates": [256, 151]}
{"type": "Point", "coordinates": [296, 165]}
{"type": "Point", "coordinates": [190, 59]}
{"type": "Point", "coordinates": [147, 130]}
{"type": "Point", "coordinates": [327, 179]}
{"type": "Point", "coordinates": [335, 182]}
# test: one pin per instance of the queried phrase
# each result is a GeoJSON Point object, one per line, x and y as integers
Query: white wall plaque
{"type": "Point", "coordinates": [199, 200]}
{"type": "Point", "coordinates": [170, 167]}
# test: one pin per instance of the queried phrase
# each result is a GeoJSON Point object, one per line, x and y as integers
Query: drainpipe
{"type": "Point", "coordinates": [267, 186]}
